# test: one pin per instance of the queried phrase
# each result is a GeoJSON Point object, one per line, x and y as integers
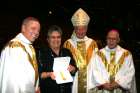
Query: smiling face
{"type": "Point", "coordinates": [113, 39]}
{"type": "Point", "coordinates": [80, 31]}
{"type": "Point", "coordinates": [31, 30]}
{"type": "Point", "coordinates": [54, 39]}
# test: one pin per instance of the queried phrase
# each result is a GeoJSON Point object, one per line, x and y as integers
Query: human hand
{"type": "Point", "coordinates": [107, 86]}
{"type": "Point", "coordinates": [52, 75]}
{"type": "Point", "coordinates": [44, 75]}
{"type": "Point", "coordinates": [38, 90]}
{"type": "Point", "coordinates": [115, 85]}
{"type": "Point", "coordinates": [71, 68]}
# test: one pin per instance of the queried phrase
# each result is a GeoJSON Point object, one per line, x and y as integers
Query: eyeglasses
{"type": "Point", "coordinates": [109, 38]}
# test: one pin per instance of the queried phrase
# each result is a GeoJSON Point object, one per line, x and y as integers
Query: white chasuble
{"type": "Point", "coordinates": [18, 67]}
{"type": "Point", "coordinates": [105, 69]}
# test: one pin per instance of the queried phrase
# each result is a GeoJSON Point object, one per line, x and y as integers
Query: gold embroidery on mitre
{"type": "Point", "coordinates": [80, 18]}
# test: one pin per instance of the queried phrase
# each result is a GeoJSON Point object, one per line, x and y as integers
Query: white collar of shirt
{"type": "Point", "coordinates": [21, 37]}
{"type": "Point", "coordinates": [74, 38]}
{"type": "Point", "coordinates": [117, 48]}
{"type": "Point", "coordinates": [114, 49]}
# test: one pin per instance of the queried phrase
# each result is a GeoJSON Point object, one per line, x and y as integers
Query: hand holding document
{"type": "Point", "coordinates": [60, 68]}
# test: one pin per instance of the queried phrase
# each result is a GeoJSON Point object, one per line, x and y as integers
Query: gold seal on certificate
{"type": "Point", "coordinates": [60, 68]}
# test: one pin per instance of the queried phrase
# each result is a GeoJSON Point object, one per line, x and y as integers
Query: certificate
{"type": "Point", "coordinates": [60, 67]}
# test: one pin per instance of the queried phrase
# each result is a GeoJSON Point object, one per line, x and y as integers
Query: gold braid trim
{"type": "Point", "coordinates": [34, 63]}
{"type": "Point", "coordinates": [104, 60]}
{"type": "Point", "coordinates": [15, 44]}
{"type": "Point", "coordinates": [90, 49]}
{"type": "Point", "coordinates": [118, 65]}
{"type": "Point", "coordinates": [125, 54]}
{"type": "Point", "coordinates": [89, 52]}
{"type": "Point", "coordinates": [82, 75]}
{"type": "Point", "coordinates": [68, 45]}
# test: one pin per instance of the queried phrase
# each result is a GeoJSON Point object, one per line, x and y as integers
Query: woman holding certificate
{"type": "Point", "coordinates": [58, 65]}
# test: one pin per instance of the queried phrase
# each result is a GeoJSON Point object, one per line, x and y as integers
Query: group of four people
{"type": "Point", "coordinates": [109, 70]}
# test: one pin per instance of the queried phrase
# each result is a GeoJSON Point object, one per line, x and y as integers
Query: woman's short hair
{"type": "Point", "coordinates": [54, 28]}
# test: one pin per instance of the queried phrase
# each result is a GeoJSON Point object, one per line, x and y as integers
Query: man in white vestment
{"type": "Point", "coordinates": [82, 49]}
{"type": "Point", "coordinates": [18, 64]}
{"type": "Point", "coordinates": [112, 69]}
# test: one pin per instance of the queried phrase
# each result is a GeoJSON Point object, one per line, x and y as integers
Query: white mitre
{"type": "Point", "coordinates": [80, 18]}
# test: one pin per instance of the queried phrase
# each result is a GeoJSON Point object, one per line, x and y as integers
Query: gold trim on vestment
{"type": "Point", "coordinates": [115, 67]}
{"type": "Point", "coordinates": [82, 59]}
{"type": "Point", "coordinates": [89, 51]}
{"type": "Point", "coordinates": [32, 60]}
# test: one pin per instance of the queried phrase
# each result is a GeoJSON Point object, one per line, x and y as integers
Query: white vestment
{"type": "Point", "coordinates": [72, 45]}
{"type": "Point", "coordinates": [17, 75]}
{"type": "Point", "coordinates": [99, 75]}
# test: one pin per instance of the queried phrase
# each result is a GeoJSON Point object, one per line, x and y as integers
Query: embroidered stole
{"type": "Point", "coordinates": [32, 59]}
{"type": "Point", "coordinates": [82, 58]}
{"type": "Point", "coordinates": [82, 64]}
{"type": "Point", "coordinates": [113, 67]}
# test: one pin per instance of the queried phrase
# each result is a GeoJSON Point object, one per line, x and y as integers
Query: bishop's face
{"type": "Point", "coordinates": [54, 39]}
{"type": "Point", "coordinates": [80, 31]}
{"type": "Point", "coordinates": [112, 39]}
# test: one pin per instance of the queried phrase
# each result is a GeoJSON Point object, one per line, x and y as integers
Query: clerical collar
{"type": "Point", "coordinates": [108, 49]}
{"type": "Point", "coordinates": [74, 38]}
{"type": "Point", "coordinates": [23, 38]}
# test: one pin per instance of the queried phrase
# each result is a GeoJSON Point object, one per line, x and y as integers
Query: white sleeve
{"type": "Point", "coordinates": [96, 73]}
{"type": "Point", "coordinates": [90, 82]}
{"type": "Point", "coordinates": [10, 70]}
{"type": "Point", "coordinates": [126, 73]}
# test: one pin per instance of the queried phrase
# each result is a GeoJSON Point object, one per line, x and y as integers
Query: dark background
{"type": "Point", "coordinates": [104, 14]}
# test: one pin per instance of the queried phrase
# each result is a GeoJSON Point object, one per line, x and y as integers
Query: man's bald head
{"type": "Point", "coordinates": [113, 38]}
{"type": "Point", "coordinates": [30, 28]}
{"type": "Point", "coordinates": [28, 19]}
